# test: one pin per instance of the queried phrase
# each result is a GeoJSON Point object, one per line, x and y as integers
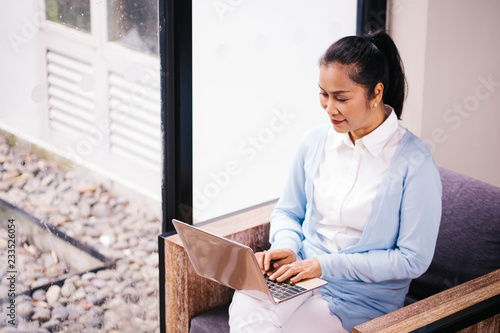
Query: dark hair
{"type": "Point", "coordinates": [371, 59]}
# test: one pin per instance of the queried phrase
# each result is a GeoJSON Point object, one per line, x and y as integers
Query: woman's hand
{"type": "Point", "coordinates": [298, 271]}
{"type": "Point", "coordinates": [280, 264]}
{"type": "Point", "coordinates": [270, 260]}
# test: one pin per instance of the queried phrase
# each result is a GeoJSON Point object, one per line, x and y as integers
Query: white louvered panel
{"type": "Point", "coordinates": [71, 108]}
{"type": "Point", "coordinates": [71, 98]}
{"type": "Point", "coordinates": [74, 65]}
{"type": "Point", "coordinates": [122, 110]}
{"type": "Point", "coordinates": [74, 124]}
{"type": "Point", "coordinates": [139, 137]}
{"type": "Point", "coordinates": [133, 98]}
{"type": "Point", "coordinates": [149, 91]}
{"type": "Point", "coordinates": [128, 123]}
{"type": "Point", "coordinates": [62, 105]}
{"type": "Point", "coordinates": [135, 148]}
{"type": "Point", "coordinates": [69, 86]}
{"type": "Point", "coordinates": [134, 113]}
{"type": "Point", "coordinates": [64, 72]}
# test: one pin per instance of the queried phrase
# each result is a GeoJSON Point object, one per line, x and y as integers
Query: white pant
{"type": "Point", "coordinates": [305, 313]}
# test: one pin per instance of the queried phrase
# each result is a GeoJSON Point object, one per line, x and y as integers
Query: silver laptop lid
{"type": "Point", "coordinates": [224, 261]}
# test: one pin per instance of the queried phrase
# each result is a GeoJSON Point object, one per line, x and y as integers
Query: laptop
{"type": "Point", "coordinates": [234, 265]}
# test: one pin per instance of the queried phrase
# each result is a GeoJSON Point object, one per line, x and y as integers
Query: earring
{"type": "Point", "coordinates": [375, 105]}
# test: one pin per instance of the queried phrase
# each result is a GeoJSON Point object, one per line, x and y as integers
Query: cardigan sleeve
{"type": "Point", "coordinates": [289, 213]}
{"type": "Point", "coordinates": [412, 252]}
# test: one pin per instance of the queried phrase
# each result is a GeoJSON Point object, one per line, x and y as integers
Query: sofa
{"type": "Point", "coordinates": [460, 290]}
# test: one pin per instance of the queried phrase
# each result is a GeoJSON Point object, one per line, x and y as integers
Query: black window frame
{"type": "Point", "coordinates": [175, 39]}
{"type": "Point", "coordinates": [371, 16]}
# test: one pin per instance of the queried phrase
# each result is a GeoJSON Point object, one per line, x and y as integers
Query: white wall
{"type": "Point", "coordinates": [407, 22]}
{"type": "Point", "coordinates": [451, 51]}
{"type": "Point", "coordinates": [20, 84]}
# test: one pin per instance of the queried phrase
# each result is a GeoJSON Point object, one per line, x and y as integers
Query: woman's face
{"type": "Point", "coordinates": [346, 103]}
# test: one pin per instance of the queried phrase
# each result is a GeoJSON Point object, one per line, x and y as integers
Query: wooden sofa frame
{"type": "Point", "coordinates": [473, 306]}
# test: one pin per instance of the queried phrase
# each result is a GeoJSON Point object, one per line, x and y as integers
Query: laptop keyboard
{"type": "Point", "coordinates": [283, 290]}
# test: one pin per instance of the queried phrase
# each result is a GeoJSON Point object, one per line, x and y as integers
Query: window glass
{"type": "Point", "coordinates": [255, 92]}
{"type": "Point", "coordinates": [72, 13]}
{"type": "Point", "coordinates": [80, 173]}
{"type": "Point", "coordinates": [134, 24]}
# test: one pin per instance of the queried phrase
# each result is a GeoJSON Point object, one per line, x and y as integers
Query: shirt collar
{"type": "Point", "coordinates": [376, 140]}
{"type": "Point", "coordinates": [339, 138]}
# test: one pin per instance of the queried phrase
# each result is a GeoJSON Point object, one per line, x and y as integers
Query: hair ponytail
{"type": "Point", "coordinates": [372, 58]}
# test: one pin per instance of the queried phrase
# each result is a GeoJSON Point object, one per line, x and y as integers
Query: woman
{"type": "Point", "coordinates": [361, 207]}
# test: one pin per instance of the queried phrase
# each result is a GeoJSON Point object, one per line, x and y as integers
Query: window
{"type": "Point", "coordinates": [74, 13]}
{"type": "Point", "coordinates": [134, 24]}
{"type": "Point", "coordinates": [255, 72]}
{"type": "Point", "coordinates": [82, 110]}
{"type": "Point", "coordinates": [102, 73]}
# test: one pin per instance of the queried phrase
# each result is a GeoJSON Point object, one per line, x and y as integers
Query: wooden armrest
{"type": "Point", "coordinates": [443, 309]}
{"type": "Point", "coordinates": [186, 294]}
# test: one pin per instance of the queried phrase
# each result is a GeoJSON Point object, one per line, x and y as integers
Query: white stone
{"type": "Point", "coordinates": [68, 289]}
{"type": "Point", "coordinates": [53, 294]}
{"type": "Point", "coordinates": [25, 310]}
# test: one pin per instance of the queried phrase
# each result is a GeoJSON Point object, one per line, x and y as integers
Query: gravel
{"type": "Point", "coordinates": [121, 299]}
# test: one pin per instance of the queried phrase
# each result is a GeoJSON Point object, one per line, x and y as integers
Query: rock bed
{"type": "Point", "coordinates": [122, 299]}
{"type": "Point", "coordinates": [34, 268]}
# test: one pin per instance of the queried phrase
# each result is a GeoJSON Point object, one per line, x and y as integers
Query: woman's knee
{"type": "Point", "coordinates": [247, 314]}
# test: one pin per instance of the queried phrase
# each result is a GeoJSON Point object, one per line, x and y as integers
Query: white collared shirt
{"type": "Point", "coordinates": [348, 178]}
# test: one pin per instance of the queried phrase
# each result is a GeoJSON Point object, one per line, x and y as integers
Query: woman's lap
{"type": "Point", "coordinates": [307, 312]}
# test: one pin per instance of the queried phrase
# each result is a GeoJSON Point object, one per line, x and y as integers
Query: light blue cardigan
{"type": "Point", "coordinates": [372, 277]}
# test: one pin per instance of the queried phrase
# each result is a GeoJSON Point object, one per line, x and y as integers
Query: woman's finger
{"type": "Point", "coordinates": [296, 272]}
{"type": "Point", "coordinates": [285, 272]}
{"type": "Point", "coordinates": [273, 259]}
{"type": "Point", "coordinates": [282, 262]}
{"type": "Point", "coordinates": [267, 260]}
{"type": "Point", "coordinates": [271, 256]}
{"type": "Point", "coordinates": [260, 256]}
{"type": "Point", "coordinates": [299, 277]}
{"type": "Point", "coordinates": [271, 272]}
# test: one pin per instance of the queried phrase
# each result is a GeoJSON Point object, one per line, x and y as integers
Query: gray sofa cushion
{"type": "Point", "coordinates": [468, 244]}
{"type": "Point", "coordinates": [215, 320]}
